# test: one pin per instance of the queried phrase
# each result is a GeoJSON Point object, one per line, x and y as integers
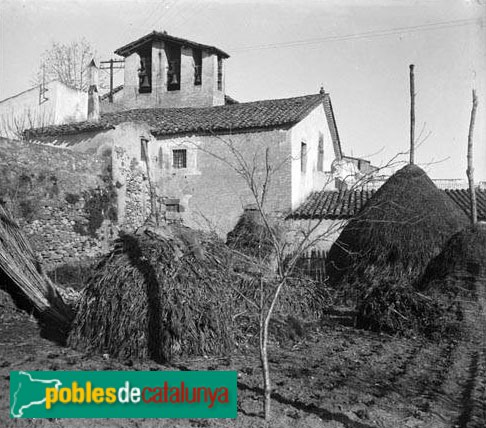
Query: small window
{"type": "Point", "coordinates": [172, 205]}
{"type": "Point", "coordinates": [220, 73]}
{"type": "Point", "coordinates": [303, 157]}
{"type": "Point", "coordinates": [143, 145]}
{"type": "Point", "coordinates": [179, 159]}
{"type": "Point", "coordinates": [320, 153]}
{"type": "Point", "coordinates": [160, 159]}
{"type": "Point", "coordinates": [197, 56]}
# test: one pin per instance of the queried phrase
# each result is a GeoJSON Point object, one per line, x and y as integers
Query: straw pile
{"type": "Point", "coordinates": [463, 258]}
{"type": "Point", "coordinates": [250, 235]}
{"type": "Point", "coordinates": [22, 277]}
{"type": "Point", "coordinates": [383, 251]}
{"type": "Point", "coordinates": [169, 292]}
{"type": "Point", "coordinates": [400, 229]}
{"type": "Point", "coordinates": [158, 295]}
{"type": "Point", "coordinates": [457, 276]}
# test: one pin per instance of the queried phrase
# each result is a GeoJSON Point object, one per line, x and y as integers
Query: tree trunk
{"type": "Point", "coordinates": [470, 167]}
{"type": "Point", "coordinates": [267, 386]}
{"type": "Point", "coordinates": [264, 326]}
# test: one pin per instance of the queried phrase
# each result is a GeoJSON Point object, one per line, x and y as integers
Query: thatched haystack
{"type": "Point", "coordinates": [462, 259]}
{"type": "Point", "coordinates": [457, 277]}
{"type": "Point", "coordinates": [21, 275]}
{"type": "Point", "coordinates": [400, 229]}
{"type": "Point", "coordinates": [159, 294]}
{"type": "Point", "coordinates": [251, 236]}
{"type": "Point", "coordinates": [171, 292]}
{"type": "Point", "coordinates": [389, 304]}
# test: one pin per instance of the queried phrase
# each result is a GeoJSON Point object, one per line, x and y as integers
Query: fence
{"type": "Point", "coordinates": [313, 265]}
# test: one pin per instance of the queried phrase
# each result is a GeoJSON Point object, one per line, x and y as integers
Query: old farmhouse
{"type": "Point", "coordinates": [205, 152]}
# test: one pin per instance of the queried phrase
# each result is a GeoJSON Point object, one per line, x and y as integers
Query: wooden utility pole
{"type": "Point", "coordinates": [112, 65]}
{"type": "Point", "coordinates": [470, 167]}
{"type": "Point", "coordinates": [412, 115]}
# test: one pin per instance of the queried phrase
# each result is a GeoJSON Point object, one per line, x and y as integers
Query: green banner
{"type": "Point", "coordinates": [123, 394]}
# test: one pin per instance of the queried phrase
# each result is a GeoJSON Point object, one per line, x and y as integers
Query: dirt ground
{"type": "Point", "coordinates": [336, 376]}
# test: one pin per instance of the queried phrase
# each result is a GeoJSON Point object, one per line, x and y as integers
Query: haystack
{"type": "Point", "coordinates": [251, 236]}
{"type": "Point", "coordinates": [458, 273]}
{"type": "Point", "coordinates": [21, 275]}
{"type": "Point", "coordinates": [160, 293]}
{"type": "Point", "coordinates": [400, 229]}
{"type": "Point", "coordinates": [462, 259]}
{"type": "Point", "coordinates": [172, 291]}
{"type": "Point", "coordinates": [457, 276]}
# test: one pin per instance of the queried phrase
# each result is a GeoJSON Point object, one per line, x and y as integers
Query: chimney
{"type": "Point", "coordinates": [93, 95]}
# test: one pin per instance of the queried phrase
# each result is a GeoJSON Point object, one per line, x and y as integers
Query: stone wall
{"type": "Point", "coordinates": [133, 194]}
{"type": "Point", "coordinates": [43, 186]}
{"type": "Point", "coordinates": [54, 237]}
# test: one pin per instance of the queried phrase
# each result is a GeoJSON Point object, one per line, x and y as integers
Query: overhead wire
{"type": "Point", "coordinates": [362, 35]}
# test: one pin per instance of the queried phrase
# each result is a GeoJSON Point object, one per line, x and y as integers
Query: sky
{"type": "Point", "coordinates": [358, 50]}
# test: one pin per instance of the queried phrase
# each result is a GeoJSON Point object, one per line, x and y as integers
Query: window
{"type": "Point", "coordinates": [197, 56]}
{"type": "Point", "coordinates": [220, 73]}
{"type": "Point", "coordinates": [172, 205]}
{"type": "Point", "coordinates": [143, 147]}
{"type": "Point", "coordinates": [174, 67]}
{"type": "Point", "coordinates": [160, 159]}
{"type": "Point", "coordinates": [179, 159]}
{"type": "Point", "coordinates": [320, 153]}
{"type": "Point", "coordinates": [303, 157]}
{"type": "Point", "coordinates": [145, 72]}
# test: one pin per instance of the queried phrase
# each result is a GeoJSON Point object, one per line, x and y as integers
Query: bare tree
{"type": "Point", "coordinates": [258, 172]}
{"type": "Point", "coordinates": [13, 123]}
{"type": "Point", "coordinates": [67, 63]}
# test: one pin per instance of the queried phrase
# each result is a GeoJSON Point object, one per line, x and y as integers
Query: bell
{"type": "Point", "coordinates": [173, 79]}
{"type": "Point", "coordinates": [144, 81]}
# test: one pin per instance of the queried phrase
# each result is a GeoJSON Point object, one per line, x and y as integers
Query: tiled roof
{"type": "Point", "coordinates": [333, 205]}
{"type": "Point", "coordinates": [346, 204]}
{"type": "Point", "coordinates": [172, 121]}
{"type": "Point", "coordinates": [462, 198]}
{"type": "Point", "coordinates": [156, 35]}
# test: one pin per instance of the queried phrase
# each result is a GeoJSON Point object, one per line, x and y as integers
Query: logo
{"type": "Point", "coordinates": [123, 394]}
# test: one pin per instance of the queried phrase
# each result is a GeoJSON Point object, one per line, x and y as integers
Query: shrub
{"type": "Point", "coordinates": [72, 198]}
{"type": "Point", "coordinates": [389, 305]}
{"type": "Point", "coordinates": [74, 275]}
{"type": "Point", "coordinates": [100, 205]}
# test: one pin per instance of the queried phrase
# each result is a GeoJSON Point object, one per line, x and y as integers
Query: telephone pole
{"type": "Point", "coordinates": [112, 64]}
{"type": "Point", "coordinates": [412, 115]}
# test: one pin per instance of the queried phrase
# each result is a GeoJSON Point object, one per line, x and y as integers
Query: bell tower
{"type": "Point", "coordinates": [166, 71]}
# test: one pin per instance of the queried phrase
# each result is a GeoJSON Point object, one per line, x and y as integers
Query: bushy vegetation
{"type": "Point", "coordinates": [74, 274]}
{"type": "Point", "coordinates": [391, 305]}
{"type": "Point", "coordinates": [22, 192]}
{"type": "Point", "coordinates": [176, 292]}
